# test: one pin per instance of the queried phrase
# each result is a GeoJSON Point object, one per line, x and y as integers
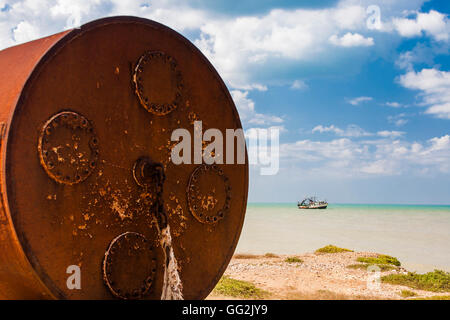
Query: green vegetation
{"type": "Point", "coordinates": [332, 249]}
{"type": "Point", "coordinates": [245, 256]}
{"type": "Point", "coordinates": [293, 260]}
{"type": "Point", "coordinates": [271, 255]}
{"type": "Point", "coordinates": [383, 267]}
{"type": "Point", "coordinates": [381, 259]}
{"type": "Point", "coordinates": [240, 289]}
{"type": "Point", "coordinates": [407, 293]}
{"type": "Point", "coordinates": [434, 298]}
{"type": "Point", "coordinates": [324, 295]}
{"type": "Point", "coordinates": [437, 281]}
{"type": "Point", "coordinates": [357, 266]}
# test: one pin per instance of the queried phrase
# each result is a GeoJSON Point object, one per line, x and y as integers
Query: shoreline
{"type": "Point", "coordinates": [316, 276]}
{"type": "Point", "coordinates": [418, 237]}
{"type": "Point", "coordinates": [294, 204]}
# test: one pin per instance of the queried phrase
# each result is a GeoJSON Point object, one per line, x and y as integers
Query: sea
{"type": "Point", "coordinates": [418, 235]}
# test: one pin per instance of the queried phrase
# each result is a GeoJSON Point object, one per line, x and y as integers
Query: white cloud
{"type": "Point", "coordinates": [73, 11]}
{"type": "Point", "coordinates": [351, 131]}
{"type": "Point", "coordinates": [349, 15]}
{"type": "Point", "coordinates": [351, 40]}
{"type": "Point", "coordinates": [239, 45]}
{"type": "Point", "coordinates": [356, 131]}
{"type": "Point", "coordinates": [246, 106]}
{"type": "Point", "coordinates": [247, 113]}
{"type": "Point", "coordinates": [406, 60]}
{"type": "Point", "coordinates": [433, 23]}
{"type": "Point", "coordinates": [379, 167]}
{"type": "Point", "coordinates": [394, 104]}
{"type": "Point", "coordinates": [338, 149]}
{"type": "Point", "coordinates": [29, 19]}
{"type": "Point", "coordinates": [401, 122]}
{"type": "Point", "coordinates": [421, 53]}
{"type": "Point", "coordinates": [345, 157]}
{"type": "Point", "coordinates": [440, 110]}
{"type": "Point", "coordinates": [264, 119]}
{"type": "Point", "coordinates": [299, 85]}
{"type": "Point", "coordinates": [323, 129]}
{"type": "Point", "coordinates": [25, 32]}
{"type": "Point", "coordinates": [434, 87]}
{"type": "Point", "coordinates": [399, 119]}
{"type": "Point", "coordinates": [51, 16]}
{"type": "Point", "coordinates": [440, 143]}
{"type": "Point", "coordinates": [390, 134]}
{"type": "Point", "coordinates": [358, 100]}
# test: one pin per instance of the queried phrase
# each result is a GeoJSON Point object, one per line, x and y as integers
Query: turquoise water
{"type": "Point", "coordinates": [418, 235]}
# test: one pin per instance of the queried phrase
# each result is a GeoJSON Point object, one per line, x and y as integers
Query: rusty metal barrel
{"type": "Point", "coordinates": [88, 186]}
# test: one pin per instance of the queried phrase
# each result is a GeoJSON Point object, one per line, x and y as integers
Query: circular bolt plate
{"type": "Point", "coordinates": [209, 194]}
{"type": "Point", "coordinates": [68, 147]}
{"type": "Point", "coordinates": [158, 82]}
{"type": "Point", "coordinates": [129, 266]}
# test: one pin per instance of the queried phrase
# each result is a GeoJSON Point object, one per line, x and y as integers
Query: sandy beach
{"type": "Point", "coordinates": [317, 276]}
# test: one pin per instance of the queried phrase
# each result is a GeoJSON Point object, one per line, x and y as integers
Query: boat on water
{"type": "Point", "coordinates": [312, 203]}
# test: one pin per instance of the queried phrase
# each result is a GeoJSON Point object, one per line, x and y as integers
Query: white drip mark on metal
{"type": "Point", "coordinates": [172, 286]}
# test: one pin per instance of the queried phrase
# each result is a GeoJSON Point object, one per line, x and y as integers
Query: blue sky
{"type": "Point", "coordinates": [364, 110]}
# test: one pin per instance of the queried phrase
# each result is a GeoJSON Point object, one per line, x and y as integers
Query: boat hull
{"type": "Point", "coordinates": [313, 207]}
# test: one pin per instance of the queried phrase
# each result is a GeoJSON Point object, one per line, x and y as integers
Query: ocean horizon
{"type": "Point", "coordinates": [417, 234]}
{"type": "Point", "coordinates": [294, 203]}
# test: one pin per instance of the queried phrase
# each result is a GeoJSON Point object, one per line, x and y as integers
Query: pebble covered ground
{"type": "Point", "coordinates": [318, 276]}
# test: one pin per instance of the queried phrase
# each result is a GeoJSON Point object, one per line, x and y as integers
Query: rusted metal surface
{"type": "Point", "coordinates": [68, 147]}
{"type": "Point", "coordinates": [209, 194]}
{"type": "Point", "coordinates": [130, 265]}
{"type": "Point", "coordinates": [158, 82]}
{"type": "Point", "coordinates": [86, 173]}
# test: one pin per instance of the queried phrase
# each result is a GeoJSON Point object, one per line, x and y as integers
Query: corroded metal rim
{"type": "Point", "coordinates": [197, 212]}
{"type": "Point", "coordinates": [82, 168]}
{"type": "Point", "coordinates": [157, 108]}
{"type": "Point", "coordinates": [109, 263]}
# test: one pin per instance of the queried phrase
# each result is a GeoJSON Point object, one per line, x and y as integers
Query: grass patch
{"type": "Point", "coordinates": [318, 295]}
{"type": "Point", "coordinates": [271, 255]}
{"type": "Point", "coordinates": [293, 260]}
{"type": "Point", "coordinates": [245, 256]}
{"type": "Point", "coordinates": [380, 259]}
{"type": "Point", "coordinates": [239, 289]}
{"type": "Point", "coordinates": [363, 266]}
{"type": "Point", "coordinates": [332, 249]}
{"type": "Point", "coordinates": [407, 293]}
{"type": "Point", "coordinates": [437, 281]}
{"type": "Point", "coordinates": [357, 266]}
{"type": "Point", "coordinates": [434, 298]}
{"type": "Point", "coordinates": [324, 295]}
